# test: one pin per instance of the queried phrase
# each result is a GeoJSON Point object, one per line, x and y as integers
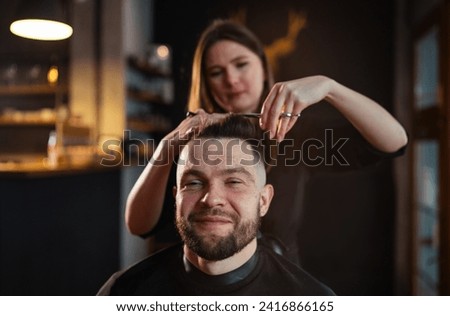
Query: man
{"type": "Point", "coordinates": [221, 195]}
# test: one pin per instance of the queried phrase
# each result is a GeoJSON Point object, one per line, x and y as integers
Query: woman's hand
{"type": "Point", "coordinates": [291, 97]}
{"type": "Point", "coordinates": [372, 121]}
{"type": "Point", "coordinates": [193, 124]}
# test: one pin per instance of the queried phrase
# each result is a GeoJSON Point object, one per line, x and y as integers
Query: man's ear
{"type": "Point", "coordinates": [174, 191]}
{"type": "Point", "coordinates": [265, 199]}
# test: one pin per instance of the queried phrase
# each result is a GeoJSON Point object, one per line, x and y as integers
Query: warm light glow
{"type": "Point", "coordinates": [52, 75]}
{"type": "Point", "coordinates": [162, 51]}
{"type": "Point", "coordinates": [41, 29]}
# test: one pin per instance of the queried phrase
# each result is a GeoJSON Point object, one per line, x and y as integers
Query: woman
{"type": "Point", "coordinates": [230, 73]}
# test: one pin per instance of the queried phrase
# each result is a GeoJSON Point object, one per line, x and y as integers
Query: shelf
{"type": "Point", "coordinates": [146, 96]}
{"type": "Point", "coordinates": [145, 68]}
{"type": "Point", "coordinates": [37, 89]}
{"type": "Point", "coordinates": [147, 126]}
{"type": "Point", "coordinates": [9, 123]}
{"type": "Point", "coordinates": [42, 117]}
{"type": "Point", "coordinates": [150, 86]}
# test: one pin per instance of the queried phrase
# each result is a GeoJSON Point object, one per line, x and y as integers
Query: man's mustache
{"type": "Point", "coordinates": [212, 212]}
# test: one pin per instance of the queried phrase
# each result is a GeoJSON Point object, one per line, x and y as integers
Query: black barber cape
{"type": "Point", "coordinates": [168, 273]}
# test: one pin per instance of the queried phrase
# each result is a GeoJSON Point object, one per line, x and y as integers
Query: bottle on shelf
{"type": "Point", "coordinates": [53, 150]}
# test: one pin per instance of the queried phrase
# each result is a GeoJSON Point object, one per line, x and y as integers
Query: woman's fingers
{"type": "Point", "coordinates": [266, 107]}
{"type": "Point", "coordinates": [283, 131]}
{"type": "Point", "coordinates": [273, 106]}
{"type": "Point", "coordinates": [284, 119]}
{"type": "Point", "coordinates": [280, 111]}
{"type": "Point", "coordinates": [197, 121]}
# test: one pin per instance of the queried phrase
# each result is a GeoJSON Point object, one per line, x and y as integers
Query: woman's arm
{"type": "Point", "coordinates": [374, 123]}
{"type": "Point", "coordinates": [146, 198]}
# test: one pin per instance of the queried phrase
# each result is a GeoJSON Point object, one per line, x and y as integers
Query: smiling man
{"type": "Point", "coordinates": [221, 195]}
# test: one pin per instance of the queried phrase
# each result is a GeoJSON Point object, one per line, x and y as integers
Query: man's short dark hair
{"type": "Point", "coordinates": [239, 127]}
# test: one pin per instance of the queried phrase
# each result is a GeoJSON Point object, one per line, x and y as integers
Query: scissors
{"type": "Point", "coordinates": [253, 115]}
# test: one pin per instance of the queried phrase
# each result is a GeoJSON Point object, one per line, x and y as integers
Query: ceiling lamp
{"type": "Point", "coordinates": [42, 20]}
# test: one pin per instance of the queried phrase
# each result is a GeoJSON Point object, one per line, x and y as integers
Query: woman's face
{"type": "Point", "coordinates": [235, 76]}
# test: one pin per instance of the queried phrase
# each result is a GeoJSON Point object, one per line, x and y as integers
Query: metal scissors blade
{"type": "Point", "coordinates": [257, 115]}
{"type": "Point", "coordinates": [254, 115]}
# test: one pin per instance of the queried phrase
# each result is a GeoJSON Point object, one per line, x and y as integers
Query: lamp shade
{"type": "Point", "coordinates": [42, 20]}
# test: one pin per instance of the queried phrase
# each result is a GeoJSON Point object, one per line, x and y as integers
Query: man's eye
{"type": "Point", "coordinates": [234, 182]}
{"type": "Point", "coordinates": [193, 184]}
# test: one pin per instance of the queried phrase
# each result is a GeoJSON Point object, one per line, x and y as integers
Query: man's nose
{"type": "Point", "coordinates": [214, 196]}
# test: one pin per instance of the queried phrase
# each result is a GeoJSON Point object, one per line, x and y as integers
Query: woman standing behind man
{"type": "Point", "coordinates": [230, 73]}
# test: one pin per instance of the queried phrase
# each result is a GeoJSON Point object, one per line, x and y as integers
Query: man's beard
{"type": "Point", "coordinates": [215, 247]}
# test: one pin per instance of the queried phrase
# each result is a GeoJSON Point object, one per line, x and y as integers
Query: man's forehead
{"type": "Point", "coordinates": [218, 172]}
{"type": "Point", "coordinates": [220, 156]}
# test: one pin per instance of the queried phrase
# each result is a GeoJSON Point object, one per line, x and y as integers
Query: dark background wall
{"type": "Point", "coordinates": [347, 239]}
{"type": "Point", "coordinates": [59, 232]}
